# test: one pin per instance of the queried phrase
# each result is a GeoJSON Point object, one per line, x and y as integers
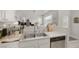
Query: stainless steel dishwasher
{"type": "Point", "coordinates": [57, 42]}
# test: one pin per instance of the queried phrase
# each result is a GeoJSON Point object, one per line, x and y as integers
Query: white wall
{"type": "Point", "coordinates": [75, 26]}
{"type": "Point", "coordinates": [32, 15]}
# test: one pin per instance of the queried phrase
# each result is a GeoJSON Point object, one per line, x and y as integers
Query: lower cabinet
{"type": "Point", "coordinates": [9, 45]}
{"type": "Point", "coordinates": [44, 46]}
{"type": "Point", "coordinates": [28, 44]}
{"type": "Point", "coordinates": [74, 44]}
{"type": "Point", "coordinates": [37, 43]}
{"type": "Point", "coordinates": [44, 43]}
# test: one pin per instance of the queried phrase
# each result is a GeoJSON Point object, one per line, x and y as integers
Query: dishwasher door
{"type": "Point", "coordinates": [57, 42]}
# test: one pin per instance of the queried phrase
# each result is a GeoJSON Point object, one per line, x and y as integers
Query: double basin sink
{"type": "Point", "coordinates": [35, 35]}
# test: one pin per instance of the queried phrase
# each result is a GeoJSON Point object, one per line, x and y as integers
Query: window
{"type": "Point", "coordinates": [39, 20]}
{"type": "Point", "coordinates": [48, 19]}
{"type": "Point", "coordinates": [65, 22]}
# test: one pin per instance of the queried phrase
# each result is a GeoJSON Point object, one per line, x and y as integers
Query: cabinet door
{"type": "Point", "coordinates": [44, 43]}
{"type": "Point", "coordinates": [74, 44]}
{"type": "Point", "coordinates": [45, 46]}
{"type": "Point", "coordinates": [10, 15]}
{"type": "Point", "coordinates": [28, 44]}
{"type": "Point", "coordinates": [9, 45]}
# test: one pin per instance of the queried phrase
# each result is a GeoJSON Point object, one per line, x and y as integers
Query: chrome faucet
{"type": "Point", "coordinates": [36, 30]}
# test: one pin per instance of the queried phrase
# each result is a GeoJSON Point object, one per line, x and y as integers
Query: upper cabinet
{"type": "Point", "coordinates": [63, 18]}
{"type": "Point", "coordinates": [7, 15]}
{"type": "Point", "coordinates": [10, 15]}
{"type": "Point", "coordinates": [2, 15]}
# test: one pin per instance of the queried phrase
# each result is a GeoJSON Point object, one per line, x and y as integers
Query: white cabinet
{"type": "Point", "coordinates": [36, 43]}
{"type": "Point", "coordinates": [2, 15]}
{"type": "Point", "coordinates": [44, 43]}
{"type": "Point", "coordinates": [7, 15]}
{"type": "Point", "coordinates": [28, 44]}
{"type": "Point", "coordinates": [73, 44]}
{"type": "Point", "coordinates": [63, 18]}
{"type": "Point", "coordinates": [44, 46]}
{"type": "Point", "coordinates": [10, 15]}
{"type": "Point", "coordinates": [9, 45]}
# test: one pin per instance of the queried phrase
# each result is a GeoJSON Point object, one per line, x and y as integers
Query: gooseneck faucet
{"type": "Point", "coordinates": [36, 30]}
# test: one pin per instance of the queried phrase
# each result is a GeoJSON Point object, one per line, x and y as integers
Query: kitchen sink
{"type": "Point", "coordinates": [40, 34]}
{"type": "Point", "coordinates": [35, 35]}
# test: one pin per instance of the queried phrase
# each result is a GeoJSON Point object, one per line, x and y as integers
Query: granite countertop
{"type": "Point", "coordinates": [35, 38]}
{"type": "Point", "coordinates": [18, 37]}
{"type": "Point", "coordinates": [11, 38]}
{"type": "Point", "coordinates": [49, 35]}
{"type": "Point", "coordinates": [55, 34]}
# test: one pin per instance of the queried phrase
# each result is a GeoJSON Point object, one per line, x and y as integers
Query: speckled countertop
{"type": "Point", "coordinates": [11, 38]}
{"type": "Point", "coordinates": [55, 34]}
{"type": "Point", "coordinates": [19, 36]}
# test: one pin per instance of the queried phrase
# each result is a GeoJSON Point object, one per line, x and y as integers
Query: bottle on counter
{"type": "Point", "coordinates": [0, 34]}
{"type": "Point", "coordinates": [4, 32]}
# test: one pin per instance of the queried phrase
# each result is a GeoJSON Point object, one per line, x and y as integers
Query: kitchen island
{"type": "Point", "coordinates": [17, 41]}
{"type": "Point", "coordinates": [42, 41]}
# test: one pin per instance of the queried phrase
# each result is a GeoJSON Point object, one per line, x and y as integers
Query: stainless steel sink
{"type": "Point", "coordinates": [35, 35]}
{"type": "Point", "coordinates": [40, 34]}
